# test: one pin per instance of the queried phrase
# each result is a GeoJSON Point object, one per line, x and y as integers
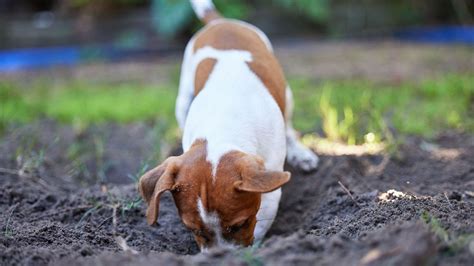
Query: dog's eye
{"type": "Point", "coordinates": [202, 234]}
{"type": "Point", "coordinates": [237, 227]}
{"type": "Point", "coordinates": [233, 229]}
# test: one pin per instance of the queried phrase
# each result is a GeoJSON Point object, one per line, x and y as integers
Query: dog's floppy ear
{"type": "Point", "coordinates": [256, 179]}
{"type": "Point", "coordinates": [156, 181]}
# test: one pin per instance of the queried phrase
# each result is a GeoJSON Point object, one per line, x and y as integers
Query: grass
{"type": "Point", "coordinates": [84, 103]}
{"type": "Point", "coordinates": [358, 112]}
{"type": "Point", "coordinates": [144, 167]}
{"type": "Point", "coordinates": [248, 256]}
{"type": "Point", "coordinates": [452, 243]}
{"type": "Point", "coordinates": [8, 231]}
{"type": "Point", "coordinates": [351, 112]}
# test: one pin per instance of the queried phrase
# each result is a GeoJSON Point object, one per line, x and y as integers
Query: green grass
{"type": "Point", "coordinates": [86, 103]}
{"type": "Point", "coordinates": [453, 243]}
{"type": "Point", "coordinates": [352, 112]}
{"type": "Point", "coordinates": [348, 111]}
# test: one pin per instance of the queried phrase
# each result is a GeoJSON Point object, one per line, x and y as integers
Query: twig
{"type": "Point", "coordinates": [348, 192]}
{"type": "Point", "coordinates": [21, 173]}
{"type": "Point", "coordinates": [121, 242]}
{"type": "Point", "coordinates": [103, 222]}
{"type": "Point", "coordinates": [447, 199]}
{"type": "Point", "coordinates": [114, 219]}
{"type": "Point", "coordinates": [91, 210]}
{"type": "Point", "coordinates": [376, 254]}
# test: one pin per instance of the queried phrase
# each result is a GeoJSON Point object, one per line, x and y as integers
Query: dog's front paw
{"type": "Point", "coordinates": [302, 158]}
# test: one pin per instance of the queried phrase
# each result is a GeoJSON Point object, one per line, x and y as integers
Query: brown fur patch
{"type": "Point", "coordinates": [234, 194]}
{"type": "Point", "coordinates": [229, 35]}
{"type": "Point", "coordinates": [189, 178]}
{"type": "Point", "coordinates": [203, 71]}
{"type": "Point", "coordinates": [217, 194]}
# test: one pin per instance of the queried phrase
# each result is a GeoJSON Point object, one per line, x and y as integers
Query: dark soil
{"type": "Point", "coordinates": [339, 215]}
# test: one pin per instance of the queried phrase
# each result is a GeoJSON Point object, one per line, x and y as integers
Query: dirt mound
{"type": "Point", "coordinates": [41, 226]}
{"type": "Point", "coordinates": [415, 208]}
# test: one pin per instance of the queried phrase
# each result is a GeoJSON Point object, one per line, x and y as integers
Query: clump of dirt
{"type": "Point", "coordinates": [412, 209]}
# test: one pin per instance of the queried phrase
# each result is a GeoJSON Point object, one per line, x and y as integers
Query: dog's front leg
{"type": "Point", "coordinates": [297, 154]}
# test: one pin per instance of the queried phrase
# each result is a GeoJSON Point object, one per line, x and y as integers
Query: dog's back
{"type": "Point", "coordinates": [227, 35]}
{"type": "Point", "coordinates": [238, 90]}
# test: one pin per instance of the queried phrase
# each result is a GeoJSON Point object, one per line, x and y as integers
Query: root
{"type": "Point", "coordinates": [121, 242]}
{"type": "Point", "coordinates": [447, 199]}
{"type": "Point", "coordinates": [347, 192]}
{"type": "Point", "coordinates": [375, 254]}
{"type": "Point", "coordinates": [23, 174]}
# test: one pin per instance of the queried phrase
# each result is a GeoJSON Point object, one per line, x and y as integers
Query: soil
{"type": "Point", "coordinates": [413, 208]}
{"type": "Point", "coordinates": [66, 193]}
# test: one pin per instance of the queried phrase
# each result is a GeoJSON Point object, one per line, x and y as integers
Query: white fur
{"type": "Point", "coordinates": [201, 7]}
{"type": "Point", "coordinates": [186, 82]}
{"type": "Point", "coordinates": [235, 111]}
{"type": "Point", "coordinates": [213, 223]}
{"type": "Point", "coordinates": [242, 115]}
{"type": "Point", "coordinates": [186, 86]}
{"type": "Point", "coordinates": [267, 213]}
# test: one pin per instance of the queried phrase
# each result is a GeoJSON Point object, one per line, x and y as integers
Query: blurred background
{"type": "Point", "coordinates": [87, 87]}
{"type": "Point", "coordinates": [78, 30]}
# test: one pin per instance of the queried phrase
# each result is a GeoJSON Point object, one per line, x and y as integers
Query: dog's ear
{"type": "Point", "coordinates": [156, 181]}
{"type": "Point", "coordinates": [256, 179]}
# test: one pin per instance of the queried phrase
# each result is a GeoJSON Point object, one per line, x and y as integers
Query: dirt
{"type": "Point", "coordinates": [412, 208]}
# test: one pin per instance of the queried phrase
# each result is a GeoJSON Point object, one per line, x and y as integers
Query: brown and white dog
{"type": "Point", "coordinates": [234, 107]}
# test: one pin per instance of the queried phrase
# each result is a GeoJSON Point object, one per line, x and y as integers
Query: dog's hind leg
{"type": "Point", "coordinates": [297, 154]}
{"type": "Point", "coordinates": [186, 86]}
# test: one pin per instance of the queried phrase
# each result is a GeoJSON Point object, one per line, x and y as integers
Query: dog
{"type": "Point", "coordinates": [234, 108]}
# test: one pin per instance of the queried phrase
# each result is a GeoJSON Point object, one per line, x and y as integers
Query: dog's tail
{"type": "Point", "coordinates": [205, 10]}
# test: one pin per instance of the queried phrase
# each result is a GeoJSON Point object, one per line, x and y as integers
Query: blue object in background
{"type": "Point", "coordinates": [443, 34]}
{"type": "Point", "coordinates": [20, 59]}
{"type": "Point", "coordinates": [17, 59]}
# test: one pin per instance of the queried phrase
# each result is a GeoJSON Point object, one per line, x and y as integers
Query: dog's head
{"type": "Point", "coordinates": [218, 205]}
